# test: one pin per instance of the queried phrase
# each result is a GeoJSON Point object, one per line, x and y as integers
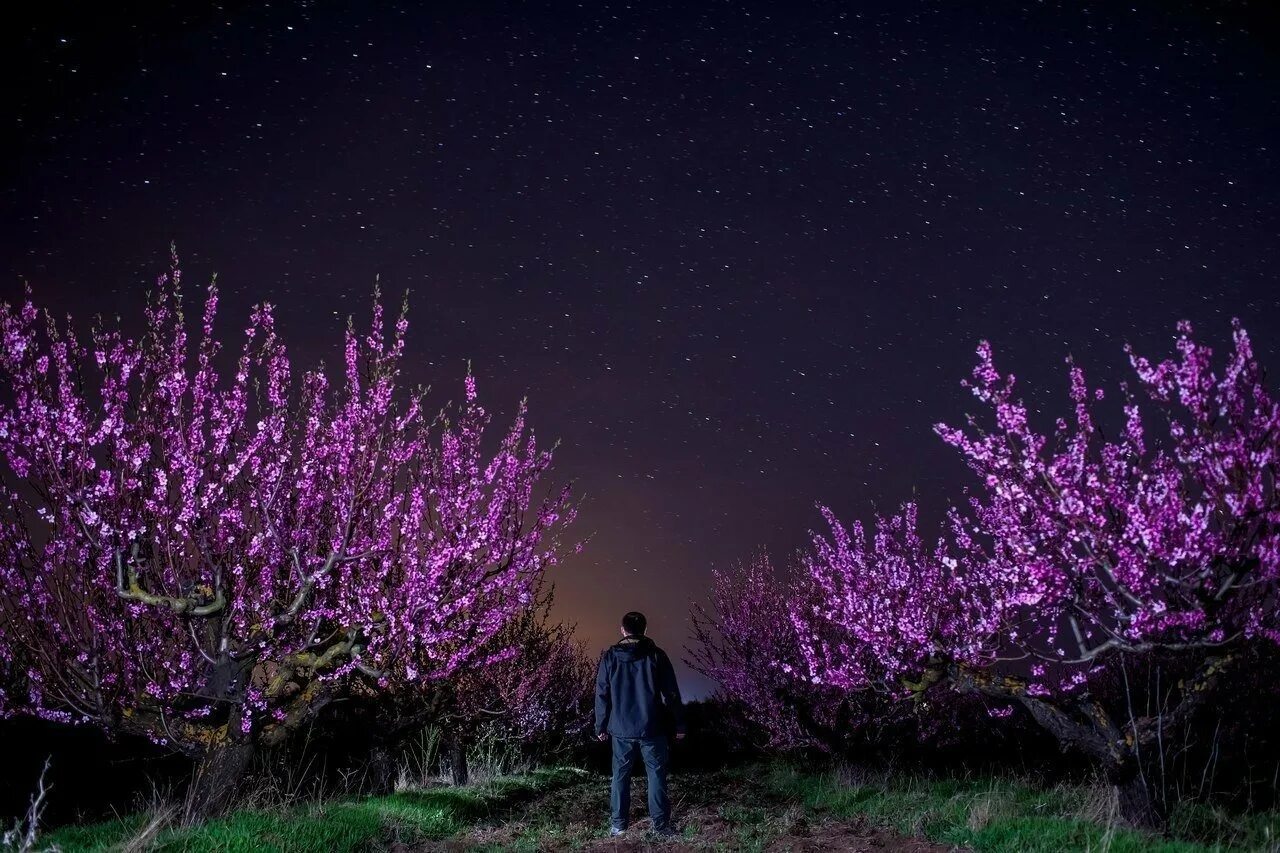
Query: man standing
{"type": "Point", "coordinates": [637, 702]}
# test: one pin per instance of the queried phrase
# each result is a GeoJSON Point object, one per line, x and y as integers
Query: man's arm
{"type": "Point", "coordinates": [670, 691]}
{"type": "Point", "coordinates": [602, 696]}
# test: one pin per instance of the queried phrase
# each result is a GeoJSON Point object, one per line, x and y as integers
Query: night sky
{"type": "Point", "coordinates": [738, 255]}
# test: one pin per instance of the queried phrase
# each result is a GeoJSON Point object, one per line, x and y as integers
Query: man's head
{"type": "Point", "coordinates": [633, 624]}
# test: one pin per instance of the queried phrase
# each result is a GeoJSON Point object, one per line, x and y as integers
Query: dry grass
{"type": "Point", "coordinates": [156, 821]}
{"type": "Point", "coordinates": [24, 836]}
{"type": "Point", "coordinates": [981, 812]}
{"type": "Point", "coordinates": [1097, 802]}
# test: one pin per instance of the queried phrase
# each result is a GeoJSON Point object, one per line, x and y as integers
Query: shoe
{"type": "Point", "coordinates": [614, 832]}
{"type": "Point", "coordinates": [667, 832]}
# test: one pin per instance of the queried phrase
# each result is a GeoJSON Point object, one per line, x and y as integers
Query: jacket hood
{"type": "Point", "coordinates": [634, 649]}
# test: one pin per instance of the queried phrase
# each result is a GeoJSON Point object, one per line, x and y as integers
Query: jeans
{"type": "Point", "coordinates": [653, 751]}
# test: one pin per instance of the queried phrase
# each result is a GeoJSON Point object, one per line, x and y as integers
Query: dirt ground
{"type": "Point", "coordinates": [713, 813]}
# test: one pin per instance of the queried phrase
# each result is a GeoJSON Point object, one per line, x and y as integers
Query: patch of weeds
{"type": "Point", "coordinates": [1008, 815]}
{"type": "Point", "coordinates": [744, 815]}
{"type": "Point", "coordinates": [1250, 831]}
{"type": "Point", "coordinates": [336, 827]}
{"type": "Point", "coordinates": [750, 839]}
{"type": "Point", "coordinates": [97, 836]}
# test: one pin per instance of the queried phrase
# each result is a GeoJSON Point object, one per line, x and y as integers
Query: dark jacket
{"type": "Point", "coordinates": [636, 691]}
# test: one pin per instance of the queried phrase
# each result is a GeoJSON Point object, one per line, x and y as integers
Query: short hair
{"type": "Point", "coordinates": [634, 624]}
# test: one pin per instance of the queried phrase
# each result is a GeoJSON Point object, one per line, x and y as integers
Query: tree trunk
{"type": "Point", "coordinates": [1137, 805]}
{"type": "Point", "coordinates": [825, 736]}
{"type": "Point", "coordinates": [457, 761]}
{"type": "Point", "coordinates": [1088, 727]}
{"type": "Point", "coordinates": [382, 770]}
{"type": "Point", "coordinates": [218, 773]}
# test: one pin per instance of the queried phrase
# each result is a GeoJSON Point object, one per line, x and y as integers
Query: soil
{"type": "Point", "coordinates": [712, 812]}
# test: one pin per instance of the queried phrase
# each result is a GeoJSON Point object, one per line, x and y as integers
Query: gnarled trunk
{"type": "Point", "coordinates": [833, 738]}
{"type": "Point", "coordinates": [1138, 806]}
{"type": "Point", "coordinates": [218, 773]}
{"type": "Point", "coordinates": [456, 751]}
{"type": "Point", "coordinates": [1084, 724]}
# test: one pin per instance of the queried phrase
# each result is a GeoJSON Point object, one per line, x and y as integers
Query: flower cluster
{"type": "Point", "coordinates": [1139, 541]}
{"type": "Point", "coordinates": [537, 693]}
{"type": "Point", "coordinates": [888, 605]}
{"type": "Point", "coordinates": [749, 644]}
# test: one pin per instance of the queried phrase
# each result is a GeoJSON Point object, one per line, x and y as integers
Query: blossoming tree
{"type": "Point", "coordinates": [209, 556]}
{"type": "Point", "coordinates": [538, 698]}
{"type": "Point", "coordinates": [1151, 541]}
{"type": "Point", "coordinates": [1083, 552]}
{"type": "Point", "coordinates": [887, 603]}
{"type": "Point", "coordinates": [749, 644]}
{"type": "Point", "coordinates": [1080, 555]}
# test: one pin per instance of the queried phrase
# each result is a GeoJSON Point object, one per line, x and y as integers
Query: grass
{"type": "Point", "coordinates": [743, 809]}
{"type": "Point", "coordinates": [994, 815]}
{"type": "Point", "coordinates": [334, 827]}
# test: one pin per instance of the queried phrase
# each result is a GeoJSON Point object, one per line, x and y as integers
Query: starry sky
{"type": "Point", "coordinates": [737, 254]}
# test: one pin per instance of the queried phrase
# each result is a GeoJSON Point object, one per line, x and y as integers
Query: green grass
{"type": "Point", "coordinates": [992, 815]}
{"type": "Point", "coordinates": [334, 827]}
